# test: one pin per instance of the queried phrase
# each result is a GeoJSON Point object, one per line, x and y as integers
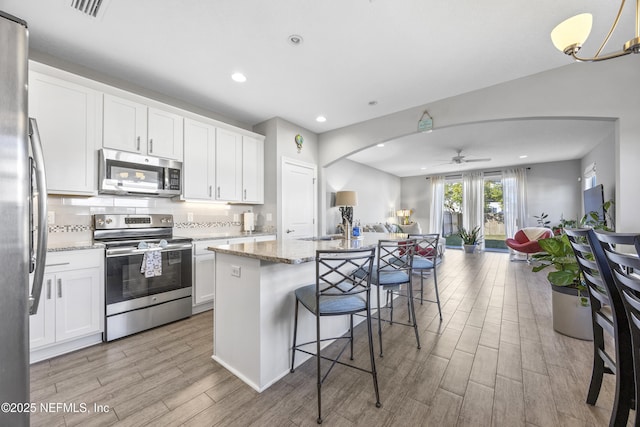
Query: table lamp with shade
{"type": "Point", "coordinates": [346, 200]}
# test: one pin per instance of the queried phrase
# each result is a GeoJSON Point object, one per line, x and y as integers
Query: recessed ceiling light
{"type": "Point", "coordinates": [423, 168]}
{"type": "Point", "coordinates": [239, 77]}
{"type": "Point", "coordinates": [321, 119]}
{"type": "Point", "coordinates": [295, 39]}
{"type": "Point", "coordinates": [524, 156]}
{"type": "Point", "coordinates": [380, 145]}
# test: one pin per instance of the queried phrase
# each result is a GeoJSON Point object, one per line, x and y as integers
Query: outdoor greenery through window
{"type": "Point", "coordinates": [494, 231]}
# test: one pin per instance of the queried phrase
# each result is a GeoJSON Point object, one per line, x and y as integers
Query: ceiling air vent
{"type": "Point", "coordinates": [88, 7]}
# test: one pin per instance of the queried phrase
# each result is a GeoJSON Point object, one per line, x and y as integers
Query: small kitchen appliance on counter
{"type": "Point", "coordinates": [248, 222]}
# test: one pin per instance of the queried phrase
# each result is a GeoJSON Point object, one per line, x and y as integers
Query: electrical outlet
{"type": "Point", "coordinates": [236, 218]}
{"type": "Point", "coordinates": [269, 217]}
{"type": "Point", "coordinates": [51, 217]}
{"type": "Point", "coordinates": [189, 216]}
{"type": "Point", "coordinates": [235, 270]}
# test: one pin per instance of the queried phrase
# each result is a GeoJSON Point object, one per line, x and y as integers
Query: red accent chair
{"type": "Point", "coordinates": [521, 242]}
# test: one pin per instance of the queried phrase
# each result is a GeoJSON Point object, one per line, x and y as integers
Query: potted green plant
{"type": "Point", "coordinates": [470, 239]}
{"type": "Point", "coordinates": [569, 301]}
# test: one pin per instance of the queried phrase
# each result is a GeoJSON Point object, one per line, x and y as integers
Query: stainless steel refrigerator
{"type": "Point", "coordinates": [22, 239]}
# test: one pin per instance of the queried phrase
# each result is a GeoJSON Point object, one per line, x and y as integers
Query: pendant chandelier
{"type": "Point", "coordinates": [569, 36]}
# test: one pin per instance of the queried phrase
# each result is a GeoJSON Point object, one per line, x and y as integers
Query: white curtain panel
{"type": "Point", "coordinates": [437, 204]}
{"type": "Point", "coordinates": [514, 192]}
{"type": "Point", "coordinates": [473, 202]}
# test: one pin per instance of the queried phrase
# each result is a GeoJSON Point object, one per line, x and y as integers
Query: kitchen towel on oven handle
{"type": "Point", "coordinates": [152, 259]}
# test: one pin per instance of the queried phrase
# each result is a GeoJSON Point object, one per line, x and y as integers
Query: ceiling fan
{"type": "Point", "coordinates": [459, 159]}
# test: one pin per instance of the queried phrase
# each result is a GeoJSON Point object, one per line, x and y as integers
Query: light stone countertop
{"type": "Point", "coordinates": [73, 246]}
{"type": "Point", "coordinates": [300, 251]}
{"type": "Point", "coordinates": [199, 236]}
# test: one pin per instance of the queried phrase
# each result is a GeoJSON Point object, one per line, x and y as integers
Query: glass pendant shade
{"type": "Point", "coordinates": [570, 34]}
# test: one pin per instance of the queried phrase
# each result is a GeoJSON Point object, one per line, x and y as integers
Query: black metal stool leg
{"type": "Point", "coordinates": [413, 314]}
{"type": "Point", "coordinates": [318, 369]}
{"type": "Point", "coordinates": [373, 361]}
{"type": "Point", "coordinates": [351, 334]}
{"type": "Point", "coordinates": [295, 335]}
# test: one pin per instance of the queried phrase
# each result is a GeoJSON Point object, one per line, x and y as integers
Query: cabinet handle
{"type": "Point", "coordinates": [138, 143]}
{"type": "Point", "coordinates": [218, 191]}
{"type": "Point", "coordinates": [151, 145]}
{"type": "Point", "coordinates": [245, 194]}
{"type": "Point", "coordinates": [210, 190]}
{"type": "Point", "coordinates": [59, 288]}
{"type": "Point", "coordinates": [49, 289]}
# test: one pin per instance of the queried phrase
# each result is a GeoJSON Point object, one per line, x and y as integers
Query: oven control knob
{"type": "Point", "coordinates": [100, 221]}
{"type": "Point", "coordinates": [109, 221]}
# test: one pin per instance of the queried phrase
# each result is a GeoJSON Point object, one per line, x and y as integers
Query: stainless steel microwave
{"type": "Point", "coordinates": [124, 173]}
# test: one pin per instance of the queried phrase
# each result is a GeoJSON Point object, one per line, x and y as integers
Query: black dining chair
{"type": "Point", "coordinates": [609, 317]}
{"type": "Point", "coordinates": [426, 259]}
{"type": "Point", "coordinates": [336, 292]}
{"type": "Point", "coordinates": [625, 267]}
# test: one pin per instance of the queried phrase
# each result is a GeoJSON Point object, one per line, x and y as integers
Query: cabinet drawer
{"type": "Point", "coordinates": [73, 260]}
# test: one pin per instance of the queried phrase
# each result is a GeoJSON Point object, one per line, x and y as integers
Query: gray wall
{"type": "Point", "coordinates": [576, 90]}
{"type": "Point", "coordinates": [378, 193]}
{"type": "Point", "coordinates": [552, 188]}
{"type": "Point", "coordinates": [280, 143]}
{"type": "Point", "coordinates": [604, 158]}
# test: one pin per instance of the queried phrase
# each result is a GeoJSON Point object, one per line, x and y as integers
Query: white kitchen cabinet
{"type": "Point", "coordinates": [252, 170]}
{"type": "Point", "coordinates": [71, 309]}
{"type": "Point", "coordinates": [228, 166]}
{"type": "Point", "coordinates": [199, 161]}
{"type": "Point", "coordinates": [204, 262]}
{"type": "Point", "coordinates": [134, 127]}
{"type": "Point", "coordinates": [68, 118]}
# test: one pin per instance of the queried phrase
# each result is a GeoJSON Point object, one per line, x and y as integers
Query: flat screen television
{"type": "Point", "coordinates": [594, 201]}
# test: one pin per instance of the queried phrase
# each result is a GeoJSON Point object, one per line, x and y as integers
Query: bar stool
{"type": "Point", "coordinates": [625, 268]}
{"type": "Point", "coordinates": [391, 272]}
{"type": "Point", "coordinates": [611, 320]}
{"type": "Point", "coordinates": [337, 292]}
{"type": "Point", "coordinates": [426, 259]}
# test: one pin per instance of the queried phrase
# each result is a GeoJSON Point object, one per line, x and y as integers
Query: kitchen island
{"type": "Point", "coordinates": [255, 304]}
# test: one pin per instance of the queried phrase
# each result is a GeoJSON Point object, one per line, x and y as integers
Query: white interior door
{"type": "Point", "coordinates": [299, 195]}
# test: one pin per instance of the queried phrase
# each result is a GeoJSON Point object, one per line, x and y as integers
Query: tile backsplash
{"type": "Point", "coordinates": [70, 217]}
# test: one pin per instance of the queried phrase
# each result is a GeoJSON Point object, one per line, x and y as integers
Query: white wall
{"type": "Point", "coordinates": [378, 193]}
{"type": "Point", "coordinates": [576, 90]}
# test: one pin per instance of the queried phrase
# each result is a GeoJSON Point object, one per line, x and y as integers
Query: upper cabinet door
{"type": "Point", "coordinates": [252, 170]}
{"type": "Point", "coordinates": [67, 116]}
{"type": "Point", "coordinates": [165, 134]}
{"type": "Point", "coordinates": [228, 165]}
{"type": "Point", "coordinates": [199, 160]}
{"type": "Point", "coordinates": [124, 125]}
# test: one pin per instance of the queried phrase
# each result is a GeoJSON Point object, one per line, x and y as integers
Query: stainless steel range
{"type": "Point", "coordinates": [147, 272]}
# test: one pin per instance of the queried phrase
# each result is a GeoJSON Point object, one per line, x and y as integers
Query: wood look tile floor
{"type": "Point", "coordinates": [494, 360]}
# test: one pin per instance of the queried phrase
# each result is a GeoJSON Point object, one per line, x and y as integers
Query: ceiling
{"type": "Point", "coordinates": [506, 143]}
{"type": "Point", "coordinates": [395, 54]}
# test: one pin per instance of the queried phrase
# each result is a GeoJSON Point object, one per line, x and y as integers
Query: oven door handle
{"type": "Point", "coordinates": [133, 250]}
